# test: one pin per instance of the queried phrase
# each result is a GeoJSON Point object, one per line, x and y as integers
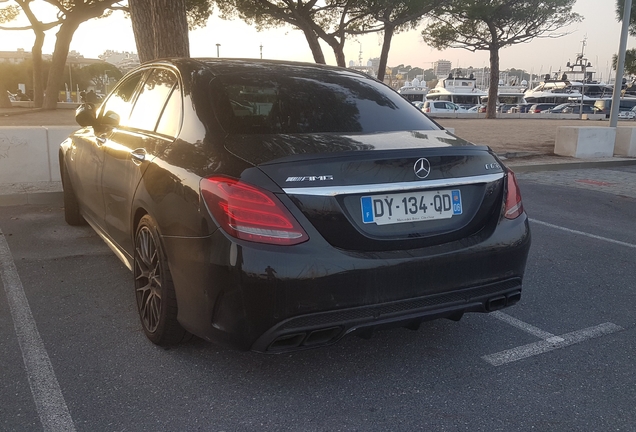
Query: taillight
{"type": "Point", "coordinates": [428, 109]}
{"type": "Point", "coordinates": [514, 206]}
{"type": "Point", "coordinates": [250, 213]}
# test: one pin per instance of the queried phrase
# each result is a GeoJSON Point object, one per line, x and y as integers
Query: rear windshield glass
{"type": "Point", "coordinates": [323, 102]}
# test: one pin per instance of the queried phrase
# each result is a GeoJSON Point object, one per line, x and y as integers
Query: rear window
{"type": "Point", "coordinates": [313, 101]}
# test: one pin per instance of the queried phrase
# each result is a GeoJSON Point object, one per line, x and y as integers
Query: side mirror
{"type": "Point", "coordinates": [85, 115]}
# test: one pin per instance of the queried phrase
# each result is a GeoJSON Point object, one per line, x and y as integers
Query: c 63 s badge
{"type": "Point", "coordinates": [309, 178]}
{"type": "Point", "coordinates": [493, 166]}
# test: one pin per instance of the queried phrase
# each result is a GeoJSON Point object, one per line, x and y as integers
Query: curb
{"type": "Point", "coordinates": [32, 198]}
{"type": "Point", "coordinates": [571, 166]}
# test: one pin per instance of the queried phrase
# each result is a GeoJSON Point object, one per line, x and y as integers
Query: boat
{"type": "Point", "coordinates": [576, 82]}
{"type": "Point", "coordinates": [509, 94]}
{"type": "Point", "coordinates": [414, 91]}
{"type": "Point", "coordinates": [458, 89]}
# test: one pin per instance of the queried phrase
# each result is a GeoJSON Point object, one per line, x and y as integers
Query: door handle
{"type": "Point", "coordinates": [138, 155]}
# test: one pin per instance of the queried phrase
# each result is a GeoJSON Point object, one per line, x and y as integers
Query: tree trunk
{"type": "Point", "coordinates": [160, 28]}
{"type": "Point", "coordinates": [314, 44]}
{"type": "Point", "coordinates": [60, 54]}
{"type": "Point", "coordinates": [491, 111]}
{"type": "Point", "coordinates": [4, 97]}
{"type": "Point", "coordinates": [171, 28]}
{"type": "Point", "coordinates": [384, 54]}
{"type": "Point", "coordinates": [38, 72]}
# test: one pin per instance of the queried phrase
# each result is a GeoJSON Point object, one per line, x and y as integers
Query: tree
{"type": "Point", "coordinates": [391, 17]}
{"type": "Point", "coordinates": [630, 61]}
{"type": "Point", "coordinates": [495, 24]}
{"type": "Point", "coordinates": [620, 8]}
{"type": "Point", "coordinates": [38, 27]}
{"type": "Point", "coordinates": [265, 14]}
{"type": "Point", "coordinates": [70, 14]}
{"type": "Point", "coordinates": [329, 20]}
{"type": "Point", "coordinates": [161, 26]}
{"type": "Point", "coordinates": [96, 75]}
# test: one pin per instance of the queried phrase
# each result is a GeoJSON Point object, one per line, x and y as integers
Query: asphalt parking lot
{"type": "Point", "coordinates": [73, 356]}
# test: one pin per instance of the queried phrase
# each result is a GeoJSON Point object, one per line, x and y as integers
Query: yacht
{"type": "Point", "coordinates": [414, 91]}
{"type": "Point", "coordinates": [571, 85]}
{"type": "Point", "coordinates": [512, 94]}
{"type": "Point", "coordinates": [460, 90]}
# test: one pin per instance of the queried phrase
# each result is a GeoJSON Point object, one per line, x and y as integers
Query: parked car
{"type": "Point", "coordinates": [474, 109]}
{"type": "Point", "coordinates": [520, 108]}
{"type": "Point", "coordinates": [572, 108]}
{"type": "Point", "coordinates": [332, 207]}
{"type": "Point", "coordinates": [418, 104]}
{"type": "Point", "coordinates": [504, 108]}
{"type": "Point", "coordinates": [629, 115]}
{"type": "Point", "coordinates": [542, 107]}
{"type": "Point", "coordinates": [441, 107]}
{"type": "Point", "coordinates": [604, 106]}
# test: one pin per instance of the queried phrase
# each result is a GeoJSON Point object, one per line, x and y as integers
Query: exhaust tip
{"type": "Point", "coordinates": [496, 303]}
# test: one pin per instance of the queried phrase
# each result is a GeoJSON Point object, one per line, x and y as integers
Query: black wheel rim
{"type": "Point", "coordinates": [148, 281]}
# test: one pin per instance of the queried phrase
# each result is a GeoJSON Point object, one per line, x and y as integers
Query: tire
{"type": "Point", "coordinates": [154, 289]}
{"type": "Point", "coordinates": [72, 214]}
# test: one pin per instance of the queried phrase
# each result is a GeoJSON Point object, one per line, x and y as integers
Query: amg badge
{"type": "Point", "coordinates": [309, 178]}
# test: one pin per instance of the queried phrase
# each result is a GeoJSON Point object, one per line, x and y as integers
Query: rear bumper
{"type": "Point", "coordinates": [276, 299]}
{"type": "Point", "coordinates": [325, 328]}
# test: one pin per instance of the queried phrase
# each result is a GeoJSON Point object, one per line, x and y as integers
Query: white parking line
{"type": "Point", "coordinates": [49, 401]}
{"type": "Point", "coordinates": [583, 233]}
{"type": "Point", "coordinates": [525, 327]}
{"type": "Point", "coordinates": [525, 351]}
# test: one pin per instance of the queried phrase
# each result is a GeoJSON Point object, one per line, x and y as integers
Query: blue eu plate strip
{"type": "Point", "coordinates": [367, 210]}
{"type": "Point", "coordinates": [457, 202]}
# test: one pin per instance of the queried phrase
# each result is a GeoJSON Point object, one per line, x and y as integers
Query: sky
{"type": "Point", "coordinates": [237, 39]}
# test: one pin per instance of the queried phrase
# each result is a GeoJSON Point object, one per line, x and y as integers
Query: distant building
{"type": "Point", "coordinates": [14, 56]}
{"type": "Point", "coordinates": [74, 58]}
{"type": "Point", "coordinates": [124, 61]}
{"type": "Point", "coordinates": [441, 68]}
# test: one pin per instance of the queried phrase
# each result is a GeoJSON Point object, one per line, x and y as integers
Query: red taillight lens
{"type": "Point", "coordinates": [250, 213]}
{"type": "Point", "coordinates": [514, 206]}
{"type": "Point", "coordinates": [427, 110]}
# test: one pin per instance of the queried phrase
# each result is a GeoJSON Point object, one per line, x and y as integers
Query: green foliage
{"type": "Point", "coordinates": [9, 13]}
{"type": "Point", "coordinates": [620, 8]}
{"type": "Point", "coordinates": [630, 62]}
{"type": "Point", "coordinates": [484, 25]}
{"type": "Point", "coordinates": [198, 12]}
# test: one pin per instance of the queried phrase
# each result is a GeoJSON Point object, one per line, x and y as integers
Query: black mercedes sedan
{"type": "Point", "coordinates": [279, 206]}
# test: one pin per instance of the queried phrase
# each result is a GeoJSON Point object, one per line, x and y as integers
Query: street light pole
{"type": "Point", "coordinates": [620, 66]}
{"type": "Point", "coordinates": [261, 47]}
{"type": "Point", "coordinates": [217, 49]}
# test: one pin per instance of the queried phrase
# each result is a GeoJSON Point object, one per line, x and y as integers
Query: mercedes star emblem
{"type": "Point", "coordinates": [422, 168]}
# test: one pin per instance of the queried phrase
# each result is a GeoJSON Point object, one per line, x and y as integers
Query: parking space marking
{"type": "Point", "coordinates": [49, 401]}
{"type": "Point", "coordinates": [535, 331]}
{"type": "Point", "coordinates": [618, 242]}
{"type": "Point", "coordinates": [540, 347]}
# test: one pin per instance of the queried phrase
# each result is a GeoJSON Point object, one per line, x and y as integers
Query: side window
{"type": "Point", "coordinates": [120, 101]}
{"type": "Point", "coordinates": [151, 100]}
{"type": "Point", "coordinates": [440, 105]}
{"type": "Point", "coordinates": [170, 120]}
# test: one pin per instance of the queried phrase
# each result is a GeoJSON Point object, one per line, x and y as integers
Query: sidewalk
{"type": "Point", "coordinates": [525, 145]}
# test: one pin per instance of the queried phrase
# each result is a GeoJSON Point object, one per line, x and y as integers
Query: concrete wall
{"type": "Point", "coordinates": [29, 154]}
{"type": "Point", "coordinates": [585, 141]}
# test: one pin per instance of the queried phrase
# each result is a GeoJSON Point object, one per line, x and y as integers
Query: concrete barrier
{"type": "Point", "coordinates": [625, 141]}
{"type": "Point", "coordinates": [585, 141]}
{"type": "Point", "coordinates": [29, 154]}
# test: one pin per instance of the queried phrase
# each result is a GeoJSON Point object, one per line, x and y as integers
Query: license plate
{"type": "Point", "coordinates": [411, 207]}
